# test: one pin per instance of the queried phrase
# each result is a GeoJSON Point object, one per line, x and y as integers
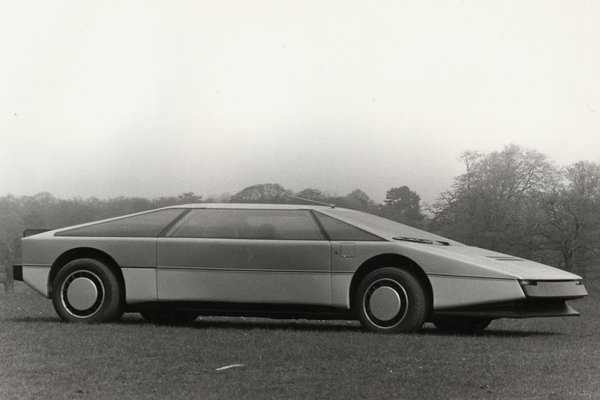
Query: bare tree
{"type": "Point", "coordinates": [486, 205]}
{"type": "Point", "coordinates": [570, 220]}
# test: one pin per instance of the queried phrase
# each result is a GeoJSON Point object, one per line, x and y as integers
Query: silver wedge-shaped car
{"type": "Point", "coordinates": [284, 261]}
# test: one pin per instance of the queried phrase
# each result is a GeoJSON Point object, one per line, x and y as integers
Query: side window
{"type": "Point", "coordinates": [248, 224]}
{"type": "Point", "coordinates": [282, 224]}
{"type": "Point", "coordinates": [144, 225]}
{"type": "Point", "coordinates": [205, 223]}
{"type": "Point", "coordinates": [339, 230]}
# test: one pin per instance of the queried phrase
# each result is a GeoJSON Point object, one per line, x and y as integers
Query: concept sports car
{"type": "Point", "coordinates": [284, 261]}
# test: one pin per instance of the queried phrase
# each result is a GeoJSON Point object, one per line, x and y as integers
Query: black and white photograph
{"type": "Point", "coordinates": [261, 199]}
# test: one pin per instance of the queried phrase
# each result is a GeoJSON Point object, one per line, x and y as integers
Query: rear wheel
{"type": "Point", "coordinates": [391, 300]}
{"type": "Point", "coordinates": [166, 317]}
{"type": "Point", "coordinates": [87, 290]}
{"type": "Point", "coordinates": [462, 324]}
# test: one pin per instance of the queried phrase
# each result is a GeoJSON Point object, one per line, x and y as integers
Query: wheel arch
{"type": "Point", "coordinates": [390, 260]}
{"type": "Point", "coordinates": [85, 252]}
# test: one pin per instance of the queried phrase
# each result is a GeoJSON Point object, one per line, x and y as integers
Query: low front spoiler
{"type": "Point", "coordinates": [530, 309]}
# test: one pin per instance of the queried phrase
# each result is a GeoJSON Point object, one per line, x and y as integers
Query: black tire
{"type": "Point", "coordinates": [169, 317]}
{"type": "Point", "coordinates": [461, 324]}
{"type": "Point", "coordinates": [391, 300]}
{"type": "Point", "coordinates": [87, 290]}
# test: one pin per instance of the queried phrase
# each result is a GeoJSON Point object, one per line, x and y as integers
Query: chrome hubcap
{"type": "Point", "coordinates": [385, 303]}
{"type": "Point", "coordinates": [82, 294]}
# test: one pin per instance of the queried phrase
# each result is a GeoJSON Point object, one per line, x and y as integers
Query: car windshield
{"type": "Point", "coordinates": [382, 226]}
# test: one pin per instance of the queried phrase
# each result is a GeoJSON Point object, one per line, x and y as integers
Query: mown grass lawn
{"type": "Point", "coordinates": [42, 358]}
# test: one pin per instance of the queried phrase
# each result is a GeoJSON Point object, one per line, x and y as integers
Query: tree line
{"type": "Point", "coordinates": [515, 201]}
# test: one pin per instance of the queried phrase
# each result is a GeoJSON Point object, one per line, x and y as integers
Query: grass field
{"type": "Point", "coordinates": [42, 358]}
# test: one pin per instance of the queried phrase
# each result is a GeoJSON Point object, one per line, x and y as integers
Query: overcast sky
{"type": "Point", "coordinates": [158, 98]}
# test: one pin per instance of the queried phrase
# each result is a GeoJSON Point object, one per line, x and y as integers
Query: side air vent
{"type": "Point", "coordinates": [419, 240]}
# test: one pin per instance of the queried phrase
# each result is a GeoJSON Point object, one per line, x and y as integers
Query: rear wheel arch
{"type": "Point", "coordinates": [86, 252]}
{"type": "Point", "coordinates": [394, 261]}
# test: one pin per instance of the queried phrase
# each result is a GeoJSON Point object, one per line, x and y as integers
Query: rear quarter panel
{"type": "Point", "coordinates": [127, 252]}
{"type": "Point", "coordinates": [135, 256]}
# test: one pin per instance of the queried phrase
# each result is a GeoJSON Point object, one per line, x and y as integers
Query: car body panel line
{"type": "Point", "coordinates": [469, 277]}
{"type": "Point", "coordinates": [283, 270]}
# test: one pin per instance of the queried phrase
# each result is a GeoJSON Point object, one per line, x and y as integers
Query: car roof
{"type": "Point", "coordinates": [254, 206]}
{"type": "Point", "coordinates": [382, 227]}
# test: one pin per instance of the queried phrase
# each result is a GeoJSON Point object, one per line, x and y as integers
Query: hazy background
{"type": "Point", "coordinates": [157, 98]}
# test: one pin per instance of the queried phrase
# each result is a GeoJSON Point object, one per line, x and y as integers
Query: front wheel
{"type": "Point", "coordinates": [87, 290]}
{"type": "Point", "coordinates": [391, 300]}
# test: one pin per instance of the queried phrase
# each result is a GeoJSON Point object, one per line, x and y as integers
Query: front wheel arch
{"type": "Point", "coordinates": [389, 260]}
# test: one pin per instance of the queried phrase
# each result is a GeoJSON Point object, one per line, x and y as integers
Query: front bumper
{"type": "Point", "coordinates": [542, 299]}
{"type": "Point", "coordinates": [525, 309]}
{"type": "Point", "coordinates": [565, 290]}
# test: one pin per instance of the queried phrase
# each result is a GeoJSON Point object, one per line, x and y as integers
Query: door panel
{"type": "Point", "coordinates": [244, 270]}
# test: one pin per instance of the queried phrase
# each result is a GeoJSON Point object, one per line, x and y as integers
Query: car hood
{"type": "Point", "coordinates": [439, 255]}
{"type": "Point", "coordinates": [499, 265]}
